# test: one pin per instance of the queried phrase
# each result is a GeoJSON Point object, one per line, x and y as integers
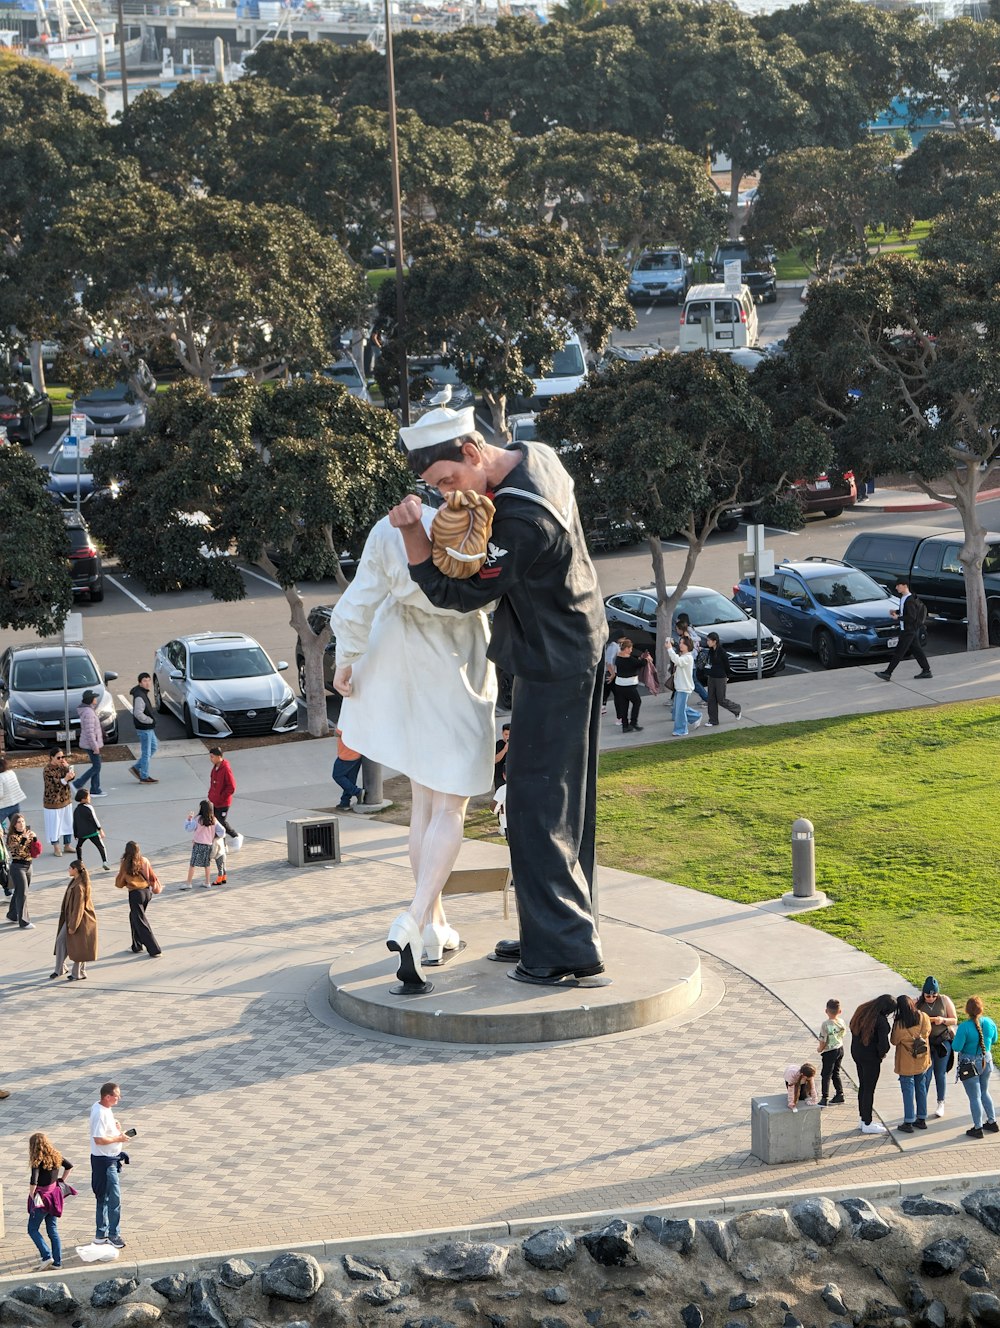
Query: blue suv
{"type": "Point", "coordinates": [828, 607]}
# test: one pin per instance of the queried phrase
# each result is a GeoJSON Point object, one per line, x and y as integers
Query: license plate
{"type": "Point", "coordinates": [892, 642]}
{"type": "Point", "coordinates": [106, 431]}
{"type": "Point", "coordinates": [822, 484]}
{"type": "Point", "coordinates": [62, 735]}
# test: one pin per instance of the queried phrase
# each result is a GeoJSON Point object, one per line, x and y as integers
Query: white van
{"type": "Point", "coordinates": [567, 372]}
{"type": "Point", "coordinates": [715, 320]}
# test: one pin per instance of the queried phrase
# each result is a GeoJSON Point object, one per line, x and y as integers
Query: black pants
{"type": "Point", "coordinates": [142, 933]}
{"type": "Point", "coordinates": [551, 818]}
{"type": "Point", "coordinates": [222, 816]}
{"type": "Point", "coordinates": [908, 645]}
{"type": "Point", "coordinates": [20, 879]}
{"type": "Point", "coordinates": [91, 839]}
{"type": "Point", "coordinates": [628, 702]}
{"type": "Point", "coordinates": [609, 682]}
{"type": "Point", "coordinates": [832, 1061]}
{"type": "Point", "coordinates": [868, 1073]}
{"type": "Point", "coordinates": [717, 697]}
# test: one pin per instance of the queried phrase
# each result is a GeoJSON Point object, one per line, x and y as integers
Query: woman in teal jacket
{"type": "Point", "coordinates": [974, 1041]}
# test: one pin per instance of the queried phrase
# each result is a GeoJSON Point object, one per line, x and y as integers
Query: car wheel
{"type": "Point", "coordinates": [993, 625]}
{"type": "Point", "coordinates": [826, 649]}
{"type": "Point", "coordinates": [188, 726]}
{"type": "Point", "coordinates": [773, 297]}
{"type": "Point", "coordinates": [97, 593]}
{"type": "Point", "coordinates": [112, 737]}
{"type": "Point", "coordinates": [158, 696]}
{"type": "Point", "coordinates": [302, 678]}
{"type": "Point", "coordinates": [48, 418]}
{"type": "Point", "coordinates": [727, 525]}
{"type": "Point", "coordinates": [833, 511]}
{"type": "Point", "coordinates": [32, 431]}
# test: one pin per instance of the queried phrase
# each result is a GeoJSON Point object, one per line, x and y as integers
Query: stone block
{"type": "Point", "coordinates": [780, 1135]}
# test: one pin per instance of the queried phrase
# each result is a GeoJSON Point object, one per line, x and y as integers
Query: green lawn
{"type": "Point", "coordinates": [790, 267]}
{"type": "Point", "coordinates": [904, 809]}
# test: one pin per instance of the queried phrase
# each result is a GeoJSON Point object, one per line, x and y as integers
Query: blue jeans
{"type": "Point", "coordinates": [978, 1090]}
{"type": "Point", "coordinates": [35, 1219]}
{"type": "Point", "coordinates": [106, 1184]}
{"type": "Point", "coordinates": [93, 773]}
{"type": "Point", "coordinates": [345, 773]}
{"type": "Point", "coordinates": [914, 1089]}
{"type": "Point", "coordinates": [701, 689]}
{"type": "Point", "coordinates": [147, 750]}
{"type": "Point", "coordinates": [937, 1072]}
{"type": "Point", "coordinates": [683, 714]}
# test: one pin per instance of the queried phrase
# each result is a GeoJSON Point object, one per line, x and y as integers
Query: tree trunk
{"type": "Point", "coordinates": [313, 649]}
{"type": "Point", "coordinates": [665, 603]}
{"type": "Point", "coordinates": [966, 481]}
{"type": "Point", "coordinates": [498, 412]}
{"type": "Point", "coordinates": [735, 179]}
{"type": "Point", "coordinates": [37, 367]}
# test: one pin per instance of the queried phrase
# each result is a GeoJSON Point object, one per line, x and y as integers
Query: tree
{"type": "Point", "coordinates": [500, 303]}
{"type": "Point", "coordinates": [946, 171]}
{"type": "Point", "coordinates": [964, 60]}
{"type": "Point", "coordinates": [36, 590]}
{"type": "Point", "coordinates": [899, 362]}
{"type": "Point", "coordinates": [672, 443]}
{"type": "Point", "coordinates": [285, 478]}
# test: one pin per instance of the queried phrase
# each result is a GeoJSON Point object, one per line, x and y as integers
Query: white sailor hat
{"type": "Point", "coordinates": [438, 426]}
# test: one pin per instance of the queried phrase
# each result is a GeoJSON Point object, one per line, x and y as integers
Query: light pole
{"type": "Point", "coordinates": [121, 52]}
{"type": "Point", "coordinates": [397, 220]}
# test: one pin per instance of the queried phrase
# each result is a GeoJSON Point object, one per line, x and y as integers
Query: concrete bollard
{"type": "Point", "coordinates": [804, 894]}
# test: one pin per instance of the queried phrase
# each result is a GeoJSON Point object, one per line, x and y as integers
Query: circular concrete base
{"type": "Point", "coordinates": [473, 1001]}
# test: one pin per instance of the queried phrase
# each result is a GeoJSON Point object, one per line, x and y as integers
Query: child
{"type": "Point", "coordinates": [219, 858]}
{"type": "Point", "coordinates": [500, 807]}
{"type": "Point", "coordinates": [205, 829]}
{"type": "Point", "coordinates": [832, 1032]}
{"type": "Point", "coordinates": [800, 1085]}
{"type": "Point", "coordinates": [87, 826]}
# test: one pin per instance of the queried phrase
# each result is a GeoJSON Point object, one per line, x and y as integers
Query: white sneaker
{"type": "Point", "coordinates": [695, 724]}
{"type": "Point", "coordinates": [940, 1109]}
{"type": "Point", "coordinates": [185, 885]}
{"type": "Point", "coordinates": [874, 1128]}
{"type": "Point", "coordinates": [46, 1263]}
{"type": "Point", "coordinates": [710, 725]}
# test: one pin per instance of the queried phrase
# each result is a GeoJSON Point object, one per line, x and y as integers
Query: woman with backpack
{"type": "Point", "coordinates": [973, 1047]}
{"type": "Point", "coordinates": [911, 1033]}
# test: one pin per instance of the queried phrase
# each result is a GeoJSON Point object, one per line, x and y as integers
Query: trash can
{"type": "Point", "coordinates": [313, 839]}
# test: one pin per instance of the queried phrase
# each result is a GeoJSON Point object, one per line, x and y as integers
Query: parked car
{"type": "Point", "coordinates": [827, 606]}
{"type": "Point", "coordinates": [434, 383]}
{"type": "Point", "coordinates": [567, 372]}
{"type": "Point", "coordinates": [221, 685]}
{"type": "Point", "coordinates": [660, 274]}
{"type": "Point", "coordinates": [118, 408]}
{"type": "Point", "coordinates": [62, 482]}
{"type": "Point", "coordinates": [346, 372]}
{"type": "Point", "coordinates": [928, 561]}
{"type": "Point", "coordinates": [633, 614]}
{"type": "Point", "coordinates": [319, 617]}
{"type": "Point", "coordinates": [34, 703]}
{"type": "Point", "coordinates": [713, 319]}
{"type": "Point", "coordinates": [25, 417]}
{"type": "Point", "coordinates": [756, 266]}
{"type": "Point", "coordinates": [85, 564]}
{"type": "Point", "coordinates": [632, 354]}
{"type": "Point", "coordinates": [829, 494]}
{"type": "Point", "coordinates": [523, 428]}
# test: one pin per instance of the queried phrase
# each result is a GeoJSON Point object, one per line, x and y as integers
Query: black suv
{"type": "Point", "coordinates": [85, 564]}
{"type": "Point", "coordinates": [757, 268]}
{"type": "Point", "coordinates": [319, 617]}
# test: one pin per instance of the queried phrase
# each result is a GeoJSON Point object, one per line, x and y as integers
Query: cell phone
{"type": "Point", "coordinates": [130, 1134]}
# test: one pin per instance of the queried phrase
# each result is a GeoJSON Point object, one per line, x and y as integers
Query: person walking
{"type": "Point", "coordinates": [912, 614]}
{"type": "Point", "coordinates": [144, 718]}
{"type": "Point", "coordinates": [974, 1041]}
{"type": "Point", "coordinates": [23, 847]}
{"type": "Point", "coordinates": [869, 1048]}
{"type": "Point", "coordinates": [91, 742]}
{"type": "Point", "coordinates": [610, 655]}
{"type": "Point", "coordinates": [832, 1032]}
{"type": "Point", "coordinates": [221, 788]}
{"type": "Point", "coordinates": [628, 702]}
{"type": "Point", "coordinates": [718, 680]}
{"type": "Point", "coordinates": [136, 875]}
{"type": "Point", "coordinates": [87, 826]}
{"type": "Point", "coordinates": [682, 627]}
{"type": "Point", "coordinates": [205, 828]}
{"type": "Point", "coordinates": [76, 933]}
{"type": "Point", "coordinates": [685, 716]}
{"type": "Point", "coordinates": [11, 793]}
{"type": "Point", "coordinates": [500, 759]}
{"type": "Point", "coordinates": [49, 1170]}
{"type": "Point", "coordinates": [944, 1020]}
{"type": "Point", "coordinates": [911, 1033]}
{"type": "Point", "coordinates": [346, 768]}
{"type": "Point", "coordinates": [57, 801]}
{"type": "Point", "coordinates": [106, 1158]}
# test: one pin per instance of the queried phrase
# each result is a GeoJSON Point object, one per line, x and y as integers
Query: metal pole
{"type": "Point", "coordinates": [756, 603]}
{"type": "Point", "coordinates": [79, 444]}
{"type": "Point", "coordinates": [397, 219]}
{"type": "Point", "coordinates": [65, 691]}
{"type": "Point", "coordinates": [121, 53]}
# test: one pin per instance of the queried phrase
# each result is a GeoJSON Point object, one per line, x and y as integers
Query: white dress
{"type": "Point", "coordinates": [423, 692]}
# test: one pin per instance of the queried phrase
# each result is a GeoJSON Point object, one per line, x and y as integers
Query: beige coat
{"type": "Point", "coordinates": [78, 916]}
{"type": "Point", "coordinates": [902, 1039]}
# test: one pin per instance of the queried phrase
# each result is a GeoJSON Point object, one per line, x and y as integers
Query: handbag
{"type": "Point", "coordinates": [967, 1068]}
{"type": "Point", "coordinates": [35, 847]}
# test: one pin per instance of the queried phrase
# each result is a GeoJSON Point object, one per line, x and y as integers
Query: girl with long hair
{"type": "Point", "coordinates": [45, 1198]}
{"type": "Point", "coordinates": [137, 877]}
{"type": "Point", "coordinates": [76, 934]}
{"type": "Point", "coordinates": [911, 1032]}
{"type": "Point", "coordinates": [205, 828]}
{"type": "Point", "coordinates": [974, 1041]}
{"type": "Point", "coordinates": [869, 1048]}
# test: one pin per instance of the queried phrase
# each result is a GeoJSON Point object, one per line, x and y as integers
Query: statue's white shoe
{"type": "Point", "coordinates": [439, 937]}
{"type": "Point", "coordinates": [404, 939]}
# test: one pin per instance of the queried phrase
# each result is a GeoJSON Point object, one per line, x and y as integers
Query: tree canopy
{"type": "Point", "coordinates": [36, 590]}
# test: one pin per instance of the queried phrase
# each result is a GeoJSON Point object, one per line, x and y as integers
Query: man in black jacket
{"type": "Point", "coordinates": [549, 631]}
{"type": "Point", "coordinates": [144, 718]}
{"type": "Point", "coordinates": [912, 615]}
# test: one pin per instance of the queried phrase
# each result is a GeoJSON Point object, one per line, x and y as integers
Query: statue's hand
{"type": "Point", "coordinates": [342, 679]}
{"type": "Point", "coordinates": [406, 513]}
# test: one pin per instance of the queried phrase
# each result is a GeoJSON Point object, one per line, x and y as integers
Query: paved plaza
{"type": "Point", "coordinates": [264, 1121]}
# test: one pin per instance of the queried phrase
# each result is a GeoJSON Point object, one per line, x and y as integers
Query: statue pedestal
{"type": "Point", "coordinates": [474, 1002]}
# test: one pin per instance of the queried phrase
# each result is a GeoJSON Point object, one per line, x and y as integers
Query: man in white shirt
{"type": "Point", "coordinates": [106, 1139]}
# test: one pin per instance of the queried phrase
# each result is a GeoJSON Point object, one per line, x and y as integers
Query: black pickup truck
{"type": "Point", "coordinates": [928, 560]}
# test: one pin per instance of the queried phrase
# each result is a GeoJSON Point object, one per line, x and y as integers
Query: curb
{"type": "Point", "coordinates": [926, 504]}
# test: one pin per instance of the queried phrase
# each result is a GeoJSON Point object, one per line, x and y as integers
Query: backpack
{"type": "Point", "coordinates": [918, 1047]}
{"type": "Point", "coordinates": [920, 611]}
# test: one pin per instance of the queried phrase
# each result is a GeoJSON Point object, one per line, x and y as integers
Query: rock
{"type": "Point", "coordinates": [465, 1261]}
{"type": "Point", "coordinates": [918, 1205]}
{"type": "Point", "coordinates": [55, 1297]}
{"type": "Point", "coordinates": [594, 1317]}
{"type": "Point", "coordinates": [865, 1221]}
{"type": "Point", "coordinates": [112, 1292]}
{"type": "Point", "coordinates": [554, 1249]}
{"type": "Point", "coordinates": [174, 1287]}
{"type": "Point", "coordinates": [720, 1236]}
{"type": "Point", "coordinates": [766, 1224]}
{"type": "Point", "coordinates": [292, 1277]}
{"type": "Point", "coordinates": [818, 1219]}
{"type": "Point", "coordinates": [676, 1233]}
{"type": "Point", "coordinates": [636, 1315]}
{"type": "Point", "coordinates": [435, 1321]}
{"type": "Point", "coordinates": [706, 1290]}
{"type": "Point", "coordinates": [833, 1299]}
{"type": "Point", "coordinates": [360, 1269]}
{"type": "Point", "coordinates": [915, 1296]}
{"type": "Point", "coordinates": [734, 1323]}
{"type": "Point", "coordinates": [944, 1256]}
{"type": "Point", "coordinates": [743, 1300]}
{"type": "Point", "coordinates": [204, 1311]}
{"type": "Point", "coordinates": [933, 1315]}
{"type": "Point", "coordinates": [21, 1315]}
{"type": "Point", "coordinates": [383, 1292]}
{"type": "Point", "coordinates": [878, 1309]}
{"type": "Point", "coordinates": [984, 1206]}
{"type": "Point", "coordinates": [692, 1317]}
{"type": "Point", "coordinates": [790, 1321]}
{"type": "Point", "coordinates": [136, 1314]}
{"type": "Point", "coordinates": [247, 1322]}
{"type": "Point", "coordinates": [974, 1276]}
{"type": "Point", "coordinates": [557, 1295]}
{"type": "Point", "coordinates": [236, 1273]}
{"type": "Point", "coordinates": [612, 1245]}
{"type": "Point", "coordinates": [750, 1272]}
{"type": "Point", "coordinates": [984, 1307]}
{"type": "Point", "coordinates": [547, 1321]}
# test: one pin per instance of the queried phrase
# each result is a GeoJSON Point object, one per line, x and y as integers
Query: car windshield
{"type": "Point", "coordinates": [658, 263]}
{"type": "Point", "coordinates": [441, 374]}
{"type": "Point", "coordinates": [524, 431]}
{"type": "Point", "coordinates": [116, 392]}
{"type": "Point", "coordinates": [346, 372]}
{"type": "Point", "coordinates": [238, 662]}
{"type": "Point", "coordinates": [566, 363]}
{"type": "Point", "coordinates": [64, 463]}
{"type": "Point", "coordinates": [46, 675]}
{"type": "Point", "coordinates": [709, 607]}
{"type": "Point", "coordinates": [846, 587]}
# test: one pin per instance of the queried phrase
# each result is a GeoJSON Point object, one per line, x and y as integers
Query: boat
{"type": "Point", "coordinates": [69, 40]}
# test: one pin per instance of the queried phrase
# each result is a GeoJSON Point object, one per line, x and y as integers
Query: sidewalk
{"type": "Point", "coordinates": [231, 1063]}
{"type": "Point", "coordinates": [914, 500]}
